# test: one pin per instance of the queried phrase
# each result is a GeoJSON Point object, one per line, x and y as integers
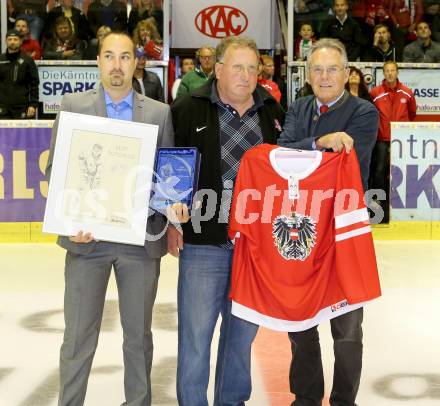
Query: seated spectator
{"type": "Point", "coordinates": [304, 91]}
{"type": "Point", "coordinates": [311, 10]}
{"type": "Point", "coordinates": [356, 84]}
{"type": "Point", "coordinates": [34, 11]}
{"type": "Point", "coordinates": [404, 15]}
{"type": "Point", "coordinates": [266, 75]}
{"type": "Point", "coordinates": [145, 9]}
{"type": "Point", "coordinates": [423, 49]}
{"type": "Point", "coordinates": [383, 48]}
{"type": "Point", "coordinates": [196, 78]}
{"type": "Point", "coordinates": [345, 29]}
{"type": "Point", "coordinates": [267, 67]}
{"type": "Point", "coordinates": [436, 26]}
{"type": "Point", "coordinates": [146, 82]}
{"type": "Point", "coordinates": [370, 13]}
{"type": "Point", "coordinates": [29, 46]}
{"type": "Point", "coordinates": [268, 72]}
{"type": "Point", "coordinates": [111, 13]}
{"type": "Point", "coordinates": [303, 44]}
{"type": "Point", "coordinates": [377, 12]}
{"type": "Point", "coordinates": [64, 44]}
{"type": "Point", "coordinates": [80, 26]}
{"type": "Point", "coordinates": [147, 38]}
{"type": "Point", "coordinates": [91, 51]}
{"type": "Point", "coordinates": [186, 65]}
{"type": "Point", "coordinates": [431, 9]}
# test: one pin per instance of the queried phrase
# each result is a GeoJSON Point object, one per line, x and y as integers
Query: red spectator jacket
{"type": "Point", "coordinates": [153, 50]}
{"type": "Point", "coordinates": [398, 104]}
{"type": "Point", "coordinates": [30, 45]}
{"type": "Point", "coordinates": [405, 15]}
{"type": "Point", "coordinates": [271, 87]}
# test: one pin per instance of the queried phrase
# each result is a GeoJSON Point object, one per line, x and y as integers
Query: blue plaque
{"type": "Point", "coordinates": [175, 178]}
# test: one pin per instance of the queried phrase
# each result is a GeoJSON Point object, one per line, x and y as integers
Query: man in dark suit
{"type": "Point", "coordinates": [112, 13]}
{"type": "Point", "coordinates": [331, 119]}
{"type": "Point", "coordinates": [89, 262]}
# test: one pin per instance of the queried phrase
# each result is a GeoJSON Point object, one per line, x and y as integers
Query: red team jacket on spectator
{"type": "Point", "coordinates": [300, 261]}
{"type": "Point", "coordinates": [397, 104]}
{"type": "Point", "coordinates": [153, 50]}
{"type": "Point", "coordinates": [271, 87]}
{"type": "Point", "coordinates": [29, 46]}
{"type": "Point", "coordinates": [403, 13]}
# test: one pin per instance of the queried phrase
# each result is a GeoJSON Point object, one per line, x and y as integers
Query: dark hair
{"type": "Point", "coordinates": [22, 19]}
{"type": "Point", "coordinates": [421, 22]}
{"type": "Point", "coordinates": [62, 20]}
{"type": "Point", "coordinates": [376, 27]}
{"type": "Point", "coordinates": [182, 59]}
{"type": "Point", "coordinates": [123, 34]}
{"type": "Point", "coordinates": [363, 88]}
{"type": "Point", "coordinates": [306, 23]}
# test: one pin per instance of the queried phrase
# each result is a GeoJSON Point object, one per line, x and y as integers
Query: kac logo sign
{"type": "Point", "coordinates": [221, 21]}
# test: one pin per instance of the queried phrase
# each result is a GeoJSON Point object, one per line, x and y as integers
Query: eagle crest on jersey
{"type": "Point", "coordinates": [294, 235]}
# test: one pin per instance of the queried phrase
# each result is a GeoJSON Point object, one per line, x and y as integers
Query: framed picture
{"type": "Point", "coordinates": [101, 178]}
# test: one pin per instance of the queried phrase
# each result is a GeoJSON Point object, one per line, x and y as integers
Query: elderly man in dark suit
{"type": "Point", "coordinates": [332, 119]}
{"type": "Point", "coordinates": [89, 262]}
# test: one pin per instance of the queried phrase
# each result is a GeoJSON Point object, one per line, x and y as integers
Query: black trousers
{"type": "Point", "coordinates": [380, 166]}
{"type": "Point", "coordinates": [13, 112]}
{"type": "Point", "coordinates": [380, 173]}
{"type": "Point", "coordinates": [306, 376]}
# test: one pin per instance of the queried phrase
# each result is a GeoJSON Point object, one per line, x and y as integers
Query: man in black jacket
{"type": "Point", "coordinates": [223, 118]}
{"type": "Point", "coordinates": [18, 81]}
{"type": "Point", "coordinates": [112, 13]}
{"type": "Point", "coordinates": [383, 48]}
{"type": "Point", "coordinates": [147, 83]}
{"type": "Point", "coordinates": [345, 29]}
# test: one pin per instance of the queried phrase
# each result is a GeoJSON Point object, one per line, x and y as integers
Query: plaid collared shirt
{"type": "Point", "coordinates": [237, 135]}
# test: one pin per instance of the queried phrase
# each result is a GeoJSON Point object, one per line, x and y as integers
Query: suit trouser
{"type": "Point", "coordinates": [86, 279]}
{"type": "Point", "coordinates": [306, 376]}
{"type": "Point", "coordinates": [380, 166]}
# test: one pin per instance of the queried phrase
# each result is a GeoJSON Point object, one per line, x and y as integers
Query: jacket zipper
{"type": "Point", "coordinates": [15, 76]}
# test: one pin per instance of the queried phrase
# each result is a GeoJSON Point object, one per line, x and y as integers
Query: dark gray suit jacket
{"type": "Point", "coordinates": [145, 110]}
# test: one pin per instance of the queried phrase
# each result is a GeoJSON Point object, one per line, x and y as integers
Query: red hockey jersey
{"type": "Point", "coordinates": [303, 246]}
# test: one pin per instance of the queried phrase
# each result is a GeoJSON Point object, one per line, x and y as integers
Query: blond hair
{"type": "Point", "coordinates": [148, 24]}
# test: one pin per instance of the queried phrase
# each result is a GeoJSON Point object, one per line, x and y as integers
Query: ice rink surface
{"type": "Point", "coordinates": [401, 334]}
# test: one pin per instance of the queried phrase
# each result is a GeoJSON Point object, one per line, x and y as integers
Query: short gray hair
{"type": "Point", "coordinates": [329, 43]}
{"type": "Point", "coordinates": [208, 47]}
{"type": "Point", "coordinates": [235, 42]}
